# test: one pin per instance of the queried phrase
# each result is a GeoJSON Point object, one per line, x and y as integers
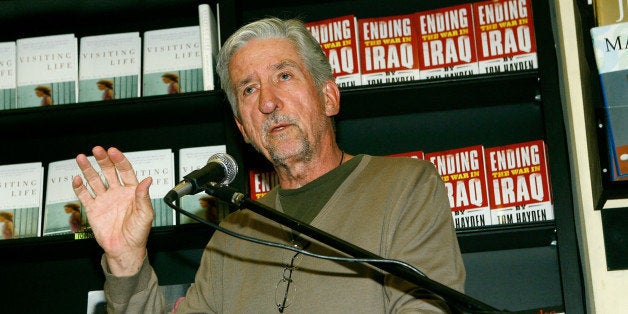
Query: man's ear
{"type": "Point", "coordinates": [241, 128]}
{"type": "Point", "coordinates": [332, 98]}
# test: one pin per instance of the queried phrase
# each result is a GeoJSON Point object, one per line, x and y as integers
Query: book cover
{"type": "Point", "coordinates": [447, 42]}
{"type": "Point", "coordinates": [389, 50]}
{"type": "Point", "coordinates": [464, 173]}
{"type": "Point", "coordinates": [159, 164]}
{"type": "Point", "coordinates": [505, 39]}
{"type": "Point", "coordinates": [63, 212]}
{"type": "Point", "coordinates": [21, 187]}
{"type": "Point", "coordinates": [172, 62]}
{"type": "Point", "coordinates": [419, 154]}
{"type": "Point", "coordinates": [8, 78]}
{"type": "Point", "coordinates": [202, 205]}
{"type": "Point", "coordinates": [339, 40]}
{"type": "Point", "coordinates": [610, 46]}
{"type": "Point", "coordinates": [610, 11]}
{"type": "Point", "coordinates": [47, 70]}
{"type": "Point", "coordinates": [519, 184]}
{"type": "Point", "coordinates": [261, 181]}
{"type": "Point", "coordinates": [110, 66]}
{"type": "Point", "coordinates": [209, 45]}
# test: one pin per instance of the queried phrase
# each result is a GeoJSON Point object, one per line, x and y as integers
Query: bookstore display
{"type": "Point", "coordinates": [409, 54]}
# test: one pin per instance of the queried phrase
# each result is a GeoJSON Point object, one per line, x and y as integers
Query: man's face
{"type": "Point", "coordinates": [281, 112]}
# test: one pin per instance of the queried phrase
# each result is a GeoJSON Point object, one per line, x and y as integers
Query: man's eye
{"type": "Point", "coordinates": [248, 90]}
{"type": "Point", "coordinates": [285, 76]}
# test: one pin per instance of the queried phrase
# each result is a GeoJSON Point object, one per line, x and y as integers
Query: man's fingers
{"type": "Point", "coordinates": [82, 192]}
{"type": "Point", "coordinates": [106, 166]}
{"type": "Point", "coordinates": [91, 175]}
{"type": "Point", "coordinates": [124, 167]}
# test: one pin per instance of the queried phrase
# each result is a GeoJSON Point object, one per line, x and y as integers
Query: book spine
{"type": "Point", "coordinates": [609, 12]}
{"type": "Point", "coordinates": [207, 23]}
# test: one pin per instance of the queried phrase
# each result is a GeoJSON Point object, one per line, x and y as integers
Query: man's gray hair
{"type": "Point", "coordinates": [294, 30]}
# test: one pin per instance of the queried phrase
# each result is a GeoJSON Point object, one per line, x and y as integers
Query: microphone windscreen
{"type": "Point", "coordinates": [229, 165]}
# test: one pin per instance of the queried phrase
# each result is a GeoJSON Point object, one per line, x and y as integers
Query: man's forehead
{"type": "Point", "coordinates": [269, 54]}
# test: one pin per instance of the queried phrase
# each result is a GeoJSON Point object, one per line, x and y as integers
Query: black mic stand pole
{"type": "Point", "coordinates": [452, 297]}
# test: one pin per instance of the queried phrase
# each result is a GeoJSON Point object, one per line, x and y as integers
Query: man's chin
{"type": "Point", "coordinates": [282, 156]}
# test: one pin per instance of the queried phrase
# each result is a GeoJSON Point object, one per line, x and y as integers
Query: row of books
{"type": "Point", "coordinates": [35, 202]}
{"type": "Point", "coordinates": [493, 36]}
{"type": "Point", "coordinates": [64, 69]}
{"type": "Point", "coordinates": [499, 185]}
{"type": "Point", "coordinates": [486, 186]}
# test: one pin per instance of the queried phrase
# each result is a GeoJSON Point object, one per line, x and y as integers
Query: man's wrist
{"type": "Point", "coordinates": [127, 264]}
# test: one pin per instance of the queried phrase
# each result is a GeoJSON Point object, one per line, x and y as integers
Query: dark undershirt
{"type": "Point", "coordinates": [306, 202]}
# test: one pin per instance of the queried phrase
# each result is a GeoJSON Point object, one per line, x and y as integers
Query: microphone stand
{"type": "Point", "coordinates": [454, 298]}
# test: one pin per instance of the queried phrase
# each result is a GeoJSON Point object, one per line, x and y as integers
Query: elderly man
{"type": "Point", "coordinates": [284, 97]}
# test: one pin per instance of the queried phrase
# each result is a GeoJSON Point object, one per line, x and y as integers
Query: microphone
{"type": "Point", "coordinates": [221, 168]}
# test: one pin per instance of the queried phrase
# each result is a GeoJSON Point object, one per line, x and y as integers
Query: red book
{"type": "Point", "coordinates": [388, 49]}
{"type": "Point", "coordinates": [464, 174]}
{"type": "Point", "coordinates": [519, 184]}
{"type": "Point", "coordinates": [447, 42]}
{"type": "Point", "coordinates": [339, 39]}
{"type": "Point", "coordinates": [505, 38]}
{"type": "Point", "coordinates": [261, 182]}
{"type": "Point", "coordinates": [415, 154]}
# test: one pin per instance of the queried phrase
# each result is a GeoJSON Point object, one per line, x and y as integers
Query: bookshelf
{"type": "Point", "coordinates": [497, 110]}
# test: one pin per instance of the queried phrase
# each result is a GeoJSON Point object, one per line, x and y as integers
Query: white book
{"type": "Point", "coordinates": [21, 187]}
{"type": "Point", "coordinates": [191, 159]}
{"type": "Point", "coordinates": [110, 66]}
{"type": "Point", "coordinates": [47, 70]}
{"type": "Point", "coordinates": [610, 45]}
{"type": "Point", "coordinates": [158, 164]}
{"type": "Point", "coordinates": [209, 44]}
{"type": "Point", "coordinates": [63, 212]}
{"type": "Point", "coordinates": [172, 62]}
{"type": "Point", "coordinates": [8, 77]}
